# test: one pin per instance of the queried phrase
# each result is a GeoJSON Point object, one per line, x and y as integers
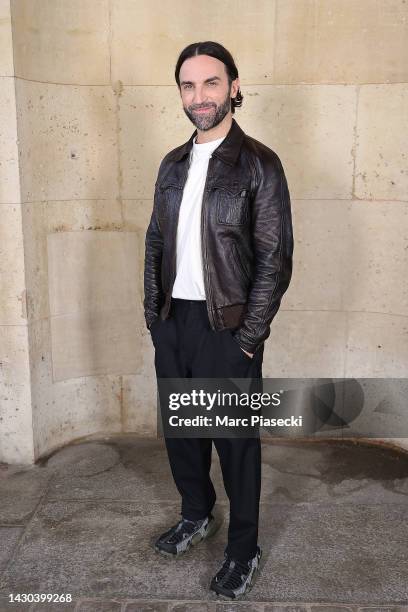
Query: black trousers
{"type": "Point", "coordinates": [187, 347]}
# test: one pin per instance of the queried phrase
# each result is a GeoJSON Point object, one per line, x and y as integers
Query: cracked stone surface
{"type": "Point", "coordinates": [333, 528]}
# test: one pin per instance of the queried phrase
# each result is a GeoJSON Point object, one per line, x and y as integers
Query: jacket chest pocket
{"type": "Point", "coordinates": [232, 206]}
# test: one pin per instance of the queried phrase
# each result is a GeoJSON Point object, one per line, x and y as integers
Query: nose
{"type": "Point", "coordinates": [199, 96]}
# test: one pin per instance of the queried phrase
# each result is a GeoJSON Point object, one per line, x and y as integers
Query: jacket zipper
{"type": "Point", "coordinates": [207, 284]}
{"type": "Point", "coordinates": [174, 263]}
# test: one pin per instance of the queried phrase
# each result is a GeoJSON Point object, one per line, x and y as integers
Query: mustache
{"type": "Point", "coordinates": [200, 107]}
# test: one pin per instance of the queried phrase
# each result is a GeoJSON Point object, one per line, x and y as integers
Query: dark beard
{"type": "Point", "coordinates": [210, 120]}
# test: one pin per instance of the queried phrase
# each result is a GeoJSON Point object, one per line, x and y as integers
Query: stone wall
{"type": "Point", "coordinates": [89, 106]}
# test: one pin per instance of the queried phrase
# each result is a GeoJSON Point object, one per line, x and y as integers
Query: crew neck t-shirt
{"type": "Point", "coordinates": [189, 282]}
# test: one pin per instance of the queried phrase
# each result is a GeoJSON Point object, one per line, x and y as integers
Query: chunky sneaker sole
{"type": "Point", "coordinates": [177, 540]}
{"type": "Point", "coordinates": [231, 583]}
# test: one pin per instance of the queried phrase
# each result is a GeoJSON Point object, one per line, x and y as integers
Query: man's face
{"type": "Point", "coordinates": [205, 92]}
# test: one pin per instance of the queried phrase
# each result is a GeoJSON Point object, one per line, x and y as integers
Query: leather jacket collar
{"type": "Point", "coordinates": [228, 150]}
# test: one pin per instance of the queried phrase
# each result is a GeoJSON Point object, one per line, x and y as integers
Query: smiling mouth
{"type": "Point", "coordinates": [201, 110]}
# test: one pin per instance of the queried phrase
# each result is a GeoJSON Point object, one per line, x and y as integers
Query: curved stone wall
{"type": "Point", "coordinates": [90, 106]}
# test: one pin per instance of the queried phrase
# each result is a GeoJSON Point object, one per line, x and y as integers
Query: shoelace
{"type": "Point", "coordinates": [230, 574]}
{"type": "Point", "coordinates": [183, 527]}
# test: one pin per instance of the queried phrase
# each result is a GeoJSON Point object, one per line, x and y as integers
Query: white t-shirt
{"type": "Point", "coordinates": [189, 282]}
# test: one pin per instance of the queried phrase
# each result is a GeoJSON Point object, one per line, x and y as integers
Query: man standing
{"type": "Point", "coordinates": [218, 260]}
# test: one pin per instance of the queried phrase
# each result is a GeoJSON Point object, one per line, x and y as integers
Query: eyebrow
{"type": "Point", "coordinates": [214, 78]}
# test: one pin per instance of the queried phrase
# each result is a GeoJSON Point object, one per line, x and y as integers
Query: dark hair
{"type": "Point", "coordinates": [216, 50]}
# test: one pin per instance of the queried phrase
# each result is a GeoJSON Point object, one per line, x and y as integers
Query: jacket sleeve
{"type": "Point", "coordinates": [272, 238]}
{"type": "Point", "coordinates": [153, 293]}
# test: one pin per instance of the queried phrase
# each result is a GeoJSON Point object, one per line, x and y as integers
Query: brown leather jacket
{"type": "Point", "coordinates": [246, 230]}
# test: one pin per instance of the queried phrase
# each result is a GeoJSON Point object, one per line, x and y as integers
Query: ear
{"type": "Point", "coordinates": [235, 85]}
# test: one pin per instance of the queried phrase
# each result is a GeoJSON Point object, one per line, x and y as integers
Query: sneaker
{"type": "Point", "coordinates": [234, 579]}
{"type": "Point", "coordinates": [180, 537]}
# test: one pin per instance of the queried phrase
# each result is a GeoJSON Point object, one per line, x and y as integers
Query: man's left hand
{"type": "Point", "coordinates": [249, 354]}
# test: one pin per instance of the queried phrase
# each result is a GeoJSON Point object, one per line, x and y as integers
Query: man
{"type": "Point", "coordinates": [218, 261]}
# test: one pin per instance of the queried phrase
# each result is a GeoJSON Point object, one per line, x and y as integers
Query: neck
{"type": "Point", "coordinates": [219, 131]}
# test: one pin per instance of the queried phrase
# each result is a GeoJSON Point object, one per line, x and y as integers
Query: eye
{"type": "Point", "coordinates": [213, 83]}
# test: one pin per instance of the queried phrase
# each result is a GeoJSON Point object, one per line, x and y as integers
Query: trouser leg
{"type": "Point", "coordinates": [190, 462]}
{"type": "Point", "coordinates": [189, 458]}
{"type": "Point", "coordinates": [240, 460]}
{"type": "Point", "coordinates": [219, 356]}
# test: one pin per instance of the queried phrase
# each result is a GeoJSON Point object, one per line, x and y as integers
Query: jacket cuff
{"type": "Point", "coordinates": [242, 340]}
{"type": "Point", "coordinates": [150, 321]}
